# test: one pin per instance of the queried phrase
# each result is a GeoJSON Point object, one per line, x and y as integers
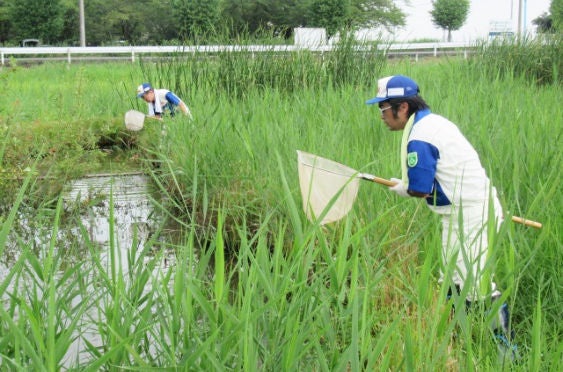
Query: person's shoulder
{"type": "Point", "coordinates": [432, 127]}
{"type": "Point", "coordinates": [433, 116]}
{"type": "Point", "coordinates": [436, 120]}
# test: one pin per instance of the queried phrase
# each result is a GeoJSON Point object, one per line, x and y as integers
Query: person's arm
{"type": "Point", "coordinates": [185, 109]}
{"type": "Point", "coordinates": [423, 161]}
{"type": "Point", "coordinates": [175, 100]}
{"type": "Point", "coordinates": [421, 171]}
{"type": "Point", "coordinates": [152, 111]}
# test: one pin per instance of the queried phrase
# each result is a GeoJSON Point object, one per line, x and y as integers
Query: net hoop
{"type": "Point", "coordinates": [134, 120]}
{"type": "Point", "coordinates": [328, 188]}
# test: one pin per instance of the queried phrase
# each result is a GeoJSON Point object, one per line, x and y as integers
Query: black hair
{"type": "Point", "coordinates": [416, 103]}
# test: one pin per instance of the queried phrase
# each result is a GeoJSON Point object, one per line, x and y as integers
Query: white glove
{"type": "Point", "coordinates": [399, 188]}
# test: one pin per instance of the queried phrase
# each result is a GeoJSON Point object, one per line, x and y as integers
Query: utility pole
{"type": "Point", "coordinates": [524, 21]}
{"type": "Point", "coordinates": [519, 18]}
{"type": "Point", "coordinates": [82, 23]}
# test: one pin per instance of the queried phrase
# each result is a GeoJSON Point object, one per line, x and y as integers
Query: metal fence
{"type": "Point", "coordinates": [131, 53]}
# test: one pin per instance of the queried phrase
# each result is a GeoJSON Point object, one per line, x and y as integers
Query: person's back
{"type": "Point", "coordinates": [459, 172]}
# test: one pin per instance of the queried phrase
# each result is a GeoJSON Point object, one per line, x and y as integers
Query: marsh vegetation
{"type": "Point", "coordinates": [253, 284]}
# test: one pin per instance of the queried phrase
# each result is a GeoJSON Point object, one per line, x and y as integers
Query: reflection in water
{"type": "Point", "coordinates": [102, 202]}
{"type": "Point", "coordinates": [132, 207]}
{"type": "Point", "coordinates": [132, 215]}
{"type": "Point", "coordinates": [122, 202]}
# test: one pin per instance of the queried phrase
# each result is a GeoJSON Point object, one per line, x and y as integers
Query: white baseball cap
{"type": "Point", "coordinates": [143, 89]}
{"type": "Point", "coordinates": [397, 86]}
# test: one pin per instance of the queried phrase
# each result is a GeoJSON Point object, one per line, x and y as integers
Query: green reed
{"type": "Point", "coordinates": [538, 59]}
{"type": "Point", "coordinates": [254, 285]}
{"type": "Point", "coordinates": [236, 73]}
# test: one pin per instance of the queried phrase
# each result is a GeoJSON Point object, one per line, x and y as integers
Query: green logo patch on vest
{"type": "Point", "coordinates": [412, 159]}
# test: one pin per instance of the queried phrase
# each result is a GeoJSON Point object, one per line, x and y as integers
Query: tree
{"type": "Point", "coordinates": [374, 13]}
{"type": "Point", "coordinates": [291, 14]}
{"type": "Point", "coordinates": [196, 17]}
{"type": "Point", "coordinates": [277, 17]}
{"type": "Point", "coordinates": [280, 17]}
{"type": "Point", "coordinates": [330, 14]}
{"type": "Point", "coordinates": [450, 14]}
{"type": "Point", "coordinates": [37, 19]}
{"type": "Point", "coordinates": [161, 24]}
{"type": "Point", "coordinates": [232, 15]}
{"type": "Point", "coordinates": [139, 22]}
{"type": "Point", "coordinates": [5, 22]}
{"type": "Point", "coordinates": [70, 34]}
{"type": "Point", "coordinates": [164, 21]}
{"type": "Point", "coordinates": [556, 10]}
{"type": "Point", "coordinates": [543, 23]}
{"type": "Point", "coordinates": [127, 22]}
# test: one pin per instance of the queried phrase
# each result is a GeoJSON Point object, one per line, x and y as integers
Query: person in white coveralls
{"type": "Point", "coordinates": [160, 100]}
{"type": "Point", "coordinates": [442, 167]}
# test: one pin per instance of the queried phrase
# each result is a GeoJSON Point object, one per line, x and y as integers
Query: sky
{"type": "Point", "coordinates": [481, 13]}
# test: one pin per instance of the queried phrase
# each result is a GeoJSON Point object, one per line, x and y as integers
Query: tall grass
{"type": "Point", "coordinates": [236, 73]}
{"type": "Point", "coordinates": [255, 286]}
{"type": "Point", "coordinates": [538, 59]}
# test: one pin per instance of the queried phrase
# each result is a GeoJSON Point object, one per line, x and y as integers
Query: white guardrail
{"type": "Point", "coordinates": [131, 52]}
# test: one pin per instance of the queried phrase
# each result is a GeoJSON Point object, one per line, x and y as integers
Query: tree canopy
{"type": "Point", "coordinates": [552, 22]}
{"type": "Point", "coordinates": [556, 10]}
{"type": "Point", "coordinates": [375, 13]}
{"type": "Point", "coordinates": [543, 23]}
{"type": "Point", "coordinates": [36, 19]}
{"type": "Point", "coordinates": [450, 15]}
{"type": "Point", "coordinates": [160, 22]}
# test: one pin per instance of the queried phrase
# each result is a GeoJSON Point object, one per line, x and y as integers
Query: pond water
{"type": "Point", "coordinates": [132, 207]}
{"type": "Point", "coordinates": [126, 199]}
{"type": "Point", "coordinates": [103, 203]}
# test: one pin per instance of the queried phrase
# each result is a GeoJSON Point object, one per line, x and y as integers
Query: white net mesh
{"type": "Point", "coordinates": [320, 181]}
{"type": "Point", "coordinates": [134, 120]}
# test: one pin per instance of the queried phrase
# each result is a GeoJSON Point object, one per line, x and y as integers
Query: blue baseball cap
{"type": "Point", "coordinates": [142, 89]}
{"type": "Point", "coordinates": [397, 86]}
